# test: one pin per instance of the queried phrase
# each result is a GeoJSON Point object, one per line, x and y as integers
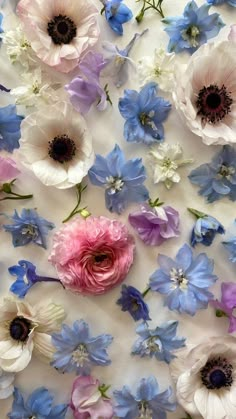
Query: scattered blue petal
{"type": "Point", "coordinates": [122, 179]}
{"type": "Point", "coordinates": [131, 300]}
{"type": "Point", "coordinates": [116, 14]}
{"type": "Point", "coordinates": [78, 351]}
{"type": "Point", "coordinates": [193, 29]}
{"type": "Point", "coordinates": [230, 246]}
{"type": "Point", "coordinates": [28, 227]}
{"type": "Point", "coordinates": [217, 2]}
{"type": "Point", "coordinates": [144, 113]}
{"type": "Point", "coordinates": [205, 230]}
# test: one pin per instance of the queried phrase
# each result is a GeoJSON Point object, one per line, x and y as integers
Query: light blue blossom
{"type": "Point", "coordinates": [144, 112]}
{"type": "Point", "coordinates": [118, 61]}
{"type": "Point", "coordinates": [116, 14]}
{"type": "Point", "coordinates": [148, 402]}
{"type": "Point", "coordinates": [217, 178]}
{"type": "Point", "coordinates": [205, 228]}
{"type": "Point", "coordinates": [1, 30]}
{"type": "Point", "coordinates": [78, 351]}
{"type": "Point", "coordinates": [122, 179]}
{"type": "Point", "coordinates": [230, 246]}
{"type": "Point", "coordinates": [193, 29]}
{"type": "Point", "coordinates": [217, 2]}
{"type": "Point", "coordinates": [158, 342]}
{"type": "Point", "coordinates": [28, 227]}
{"type": "Point", "coordinates": [26, 275]}
{"type": "Point", "coordinates": [38, 405]}
{"type": "Point", "coordinates": [9, 128]}
{"type": "Point", "coordinates": [184, 281]}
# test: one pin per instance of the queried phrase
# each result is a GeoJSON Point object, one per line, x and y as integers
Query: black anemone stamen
{"type": "Point", "coordinates": [20, 329]}
{"type": "Point", "coordinates": [213, 103]}
{"type": "Point", "coordinates": [61, 29]}
{"type": "Point", "coordinates": [217, 373]}
{"type": "Point", "coordinates": [62, 148]}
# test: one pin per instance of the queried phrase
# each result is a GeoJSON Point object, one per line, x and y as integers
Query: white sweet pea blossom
{"type": "Point", "coordinates": [158, 68]}
{"type": "Point", "coordinates": [165, 161]}
{"type": "Point", "coordinates": [18, 47]}
{"type": "Point", "coordinates": [36, 89]}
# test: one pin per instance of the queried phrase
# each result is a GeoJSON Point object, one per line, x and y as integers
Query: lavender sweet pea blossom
{"type": "Point", "coordinates": [155, 224]}
{"type": "Point", "coordinates": [118, 61]}
{"type": "Point", "coordinates": [226, 306]}
{"type": "Point", "coordinates": [85, 90]}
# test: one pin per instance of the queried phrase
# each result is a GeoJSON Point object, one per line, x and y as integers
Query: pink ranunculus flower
{"type": "Point", "coordinates": [226, 306]}
{"type": "Point", "coordinates": [8, 169]}
{"type": "Point", "coordinates": [232, 34]}
{"type": "Point", "coordinates": [59, 31]}
{"type": "Point", "coordinates": [92, 255]}
{"type": "Point", "coordinates": [88, 401]}
{"type": "Point", "coordinates": [155, 224]}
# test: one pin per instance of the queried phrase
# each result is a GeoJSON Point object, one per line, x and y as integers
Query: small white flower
{"type": "Point", "coordinates": [25, 329]}
{"type": "Point", "coordinates": [56, 145]}
{"type": "Point", "coordinates": [165, 160]}
{"type": "Point", "coordinates": [18, 48]}
{"type": "Point", "coordinates": [6, 387]}
{"type": "Point", "coordinates": [158, 68]}
{"type": "Point", "coordinates": [205, 377]}
{"type": "Point", "coordinates": [36, 90]}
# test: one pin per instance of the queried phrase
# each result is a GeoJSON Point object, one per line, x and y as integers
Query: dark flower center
{"type": "Point", "coordinates": [100, 258]}
{"type": "Point", "coordinates": [213, 103]}
{"type": "Point", "coordinates": [61, 29]}
{"type": "Point", "coordinates": [62, 148]}
{"type": "Point", "coordinates": [217, 373]}
{"type": "Point", "coordinates": [134, 304]}
{"type": "Point", "coordinates": [226, 171]}
{"type": "Point", "coordinates": [20, 329]}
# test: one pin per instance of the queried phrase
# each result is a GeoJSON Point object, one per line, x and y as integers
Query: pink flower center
{"type": "Point", "coordinates": [213, 103]}
{"type": "Point", "coordinates": [61, 29]}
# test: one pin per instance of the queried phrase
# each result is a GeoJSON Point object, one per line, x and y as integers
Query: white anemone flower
{"type": "Point", "coordinates": [205, 377]}
{"type": "Point", "coordinates": [25, 330]}
{"type": "Point", "coordinates": [165, 161]}
{"type": "Point", "coordinates": [36, 89]}
{"type": "Point", "coordinates": [6, 384]}
{"type": "Point", "coordinates": [59, 31]}
{"type": "Point", "coordinates": [56, 145]}
{"type": "Point", "coordinates": [205, 93]}
{"type": "Point", "coordinates": [158, 68]}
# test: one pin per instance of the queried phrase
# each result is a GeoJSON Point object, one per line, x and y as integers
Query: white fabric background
{"type": "Point", "coordinates": [102, 314]}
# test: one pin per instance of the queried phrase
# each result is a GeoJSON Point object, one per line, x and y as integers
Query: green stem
{"type": "Point", "coordinates": [152, 5]}
{"type": "Point", "coordinates": [16, 197]}
{"type": "Point", "coordinates": [76, 210]}
{"type": "Point", "coordinates": [145, 292]}
{"type": "Point", "coordinates": [197, 213]}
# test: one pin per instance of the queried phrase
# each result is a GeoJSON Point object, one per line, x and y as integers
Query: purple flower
{"type": "Point", "coordinates": [131, 300]}
{"type": "Point", "coordinates": [226, 306]}
{"type": "Point", "coordinates": [85, 90]}
{"type": "Point", "coordinates": [155, 224]}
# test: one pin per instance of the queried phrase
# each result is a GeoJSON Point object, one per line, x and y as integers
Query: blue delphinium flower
{"type": "Point", "coordinates": [158, 342]}
{"type": "Point", "coordinates": [144, 112]}
{"type": "Point", "coordinates": [38, 405]}
{"type": "Point", "coordinates": [78, 351]}
{"type": "Point", "coordinates": [9, 128]}
{"type": "Point", "coordinates": [118, 61]}
{"type": "Point", "coordinates": [184, 281]}
{"type": "Point", "coordinates": [122, 179]}
{"type": "Point", "coordinates": [1, 30]}
{"type": "Point", "coordinates": [26, 275]}
{"type": "Point", "coordinates": [205, 228]}
{"type": "Point", "coordinates": [193, 29]}
{"type": "Point", "coordinates": [217, 2]}
{"type": "Point", "coordinates": [28, 227]}
{"type": "Point", "coordinates": [230, 245]}
{"type": "Point", "coordinates": [217, 178]}
{"type": "Point", "coordinates": [148, 402]}
{"type": "Point", "coordinates": [116, 14]}
{"type": "Point", "coordinates": [131, 300]}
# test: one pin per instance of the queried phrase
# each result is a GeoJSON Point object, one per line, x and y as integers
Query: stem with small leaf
{"type": "Point", "coordinates": [146, 291]}
{"type": "Point", "coordinates": [197, 213]}
{"type": "Point", "coordinates": [150, 4]}
{"type": "Point", "coordinates": [76, 210]}
{"type": "Point", "coordinates": [7, 189]}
